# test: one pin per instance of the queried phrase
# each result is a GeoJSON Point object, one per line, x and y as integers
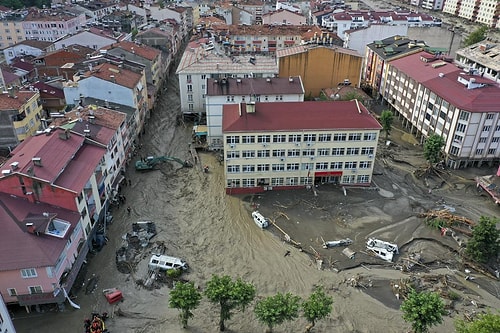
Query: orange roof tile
{"type": "Point", "coordinates": [15, 103]}
{"type": "Point", "coordinates": [141, 50]}
{"type": "Point", "coordinates": [112, 73]}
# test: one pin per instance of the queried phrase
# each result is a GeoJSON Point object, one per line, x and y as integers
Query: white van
{"type": "Point", "coordinates": [260, 220]}
{"type": "Point", "coordinates": [166, 262]}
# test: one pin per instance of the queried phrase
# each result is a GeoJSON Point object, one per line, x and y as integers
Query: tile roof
{"type": "Point", "coordinates": [21, 249]}
{"type": "Point", "coordinates": [141, 50]}
{"type": "Point", "coordinates": [292, 116]}
{"type": "Point", "coordinates": [24, 65]}
{"type": "Point", "coordinates": [46, 91]}
{"type": "Point", "coordinates": [263, 29]}
{"type": "Point", "coordinates": [112, 73]}
{"type": "Point", "coordinates": [38, 44]}
{"type": "Point", "coordinates": [11, 103]}
{"type": "Point", "coordinates": [421, 71]}
{"type": "Point", "coordinates": [257, 86]}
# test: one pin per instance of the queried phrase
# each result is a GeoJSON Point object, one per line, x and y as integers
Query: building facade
{"type": "Point", "coordinates": [246, 90]}
{"type": "Point", "coordinates": [483, 57]}
{"type": "Point", "coordinates": [435, 97]}
{"type": "Point", "coordinates": [480, 11]}
{"type": "Point", "coordinates": [274, 146]}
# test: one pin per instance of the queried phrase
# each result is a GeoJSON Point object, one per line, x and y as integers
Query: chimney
{"type": "Point", "coordinates": [250, 107]}
{"type": "Point", "coordinates": [268, 80]}
{"type": "Point", "coordinates": [112, 77]}
{"type": "Point", "coordinates": [12, 92]}
{"type": "Point", "coordinates": [14, 165]}
{"type": "Point", "coordinates": [290, 79]}
{"type": "Point", "coordinates": [37, 161]}
{"type": "Point", "coordinates": [64, 135]}
{"type": "Point", "coordinates": [30, 228]}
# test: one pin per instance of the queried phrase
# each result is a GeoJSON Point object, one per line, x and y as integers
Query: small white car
{"type": "Point", "coordinates": [164, 262]}
{"type": "Point", "coordinates": [260, 220]}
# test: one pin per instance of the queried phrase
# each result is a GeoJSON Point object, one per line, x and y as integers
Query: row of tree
{"type": "Point", "coordinates": [231, 295]}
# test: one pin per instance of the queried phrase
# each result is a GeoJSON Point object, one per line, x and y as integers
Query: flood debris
{"type": "Point", "coordinates": [382, 249]}
{"type": "Point", "coordinates": [446, 219]}
{"type": "Point", "coordinates": [133, 243]}
{"type": "Point", "coordinates": [348, 253]}
{"type": "Point", "coordinates": [335, 243]}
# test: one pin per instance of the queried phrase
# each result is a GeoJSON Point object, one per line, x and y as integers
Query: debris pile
{"type": "Point", "coordinates": [133, 242]}
{"type": "Point", "coordinates": [446, 219]}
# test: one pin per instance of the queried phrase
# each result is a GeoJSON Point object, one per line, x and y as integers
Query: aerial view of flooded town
{"type": "Point", "coordinates": [250, 166]}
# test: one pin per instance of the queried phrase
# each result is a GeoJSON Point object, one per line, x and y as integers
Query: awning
{"type": "Point", "coordinates": [200, 130]}
{"type": "Point", "coordinates": [328, 173]}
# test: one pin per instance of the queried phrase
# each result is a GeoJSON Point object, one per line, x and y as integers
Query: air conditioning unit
{"type": "Point", "coordinates": [370, 156]}
{"type": "Point", "coordinates": [354, 170]}
{"type": "Point", "coordinates": [264, 145]}
{"type": "Point", "coordinates": [232, 145]}
{"type": "Point", "coordinates": [312, 157]}
{"type": "Point", "coordinates": [309, 144]}
{"type": "Point", "coordinates": [282, 159]}
{"type": "Point", "coordinates": [297, 144]}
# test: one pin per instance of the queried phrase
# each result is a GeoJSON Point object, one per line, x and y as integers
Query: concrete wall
{"type": "Point", "coordinates": [437, 37]}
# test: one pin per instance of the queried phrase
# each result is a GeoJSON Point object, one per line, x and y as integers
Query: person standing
{"type": "Point", "coordinates": [129, 210]}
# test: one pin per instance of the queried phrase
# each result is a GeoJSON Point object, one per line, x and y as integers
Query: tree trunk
{"type": "Point", "coordinates": [184, 318]}
{"type": "Point", "coordinates": [309, 327]}
{"type": "Point", "coordinates": [222, 327]}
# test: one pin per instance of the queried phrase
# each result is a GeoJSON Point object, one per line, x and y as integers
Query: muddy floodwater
{"type": "Point", "coordinates": [215, 234]}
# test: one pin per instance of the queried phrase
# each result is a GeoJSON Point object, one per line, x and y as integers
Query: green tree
{"type": "Point", "coordinates": [423, 310]}
{"type": "Point", "coordinates": [432, 148]}
{"type": "Point", "coordinates": [184, 297]}
{"type": "Point", "coordinates": [484, 323]}
{"type": "Point", "coordinates": [349, 96]}
{"type": "Point", "coordinates": [386, 118]}
{"type": "Point", "coordinates": [476, 36]}
{"type": "Point", "coordinates": [485, 241]}
{"type": "Point", "coordinates": [275, 310]}
{"type": "Point", "coordinates": [229, 295]}
{"type": "Point", "coordinates": [134, 33]}
{"type": "Point", "coordinates": [316, 307]}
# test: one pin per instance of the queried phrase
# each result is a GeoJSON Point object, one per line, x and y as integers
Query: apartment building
{"type": "Point", "coordinates": [20, 115]}
{"type": "Point", "coordinates": [245, 90]}
{"type": "Point", "coordinates": [275, 146]}
{"type": "Point", "coordinates": [481, 11]}
{"type": "Point", "coordinates": [11, 31]}
{"type": "Point", "coordinates": [320, 66]}
{"type": "Point", "coordinates": [26, 48]}
{"type": "Point", "coordinates": [483, 57]}
{"type": "Point", "coordinates": [49, 25]}
{"type": "Point", "coordinates": [434, 96]}
{"type": "Point", "coordinates": [284, 17]}
{"type": "Point", "coordinates": [432, 4]}
{"type": "Point", "coordinates": [197, 65]}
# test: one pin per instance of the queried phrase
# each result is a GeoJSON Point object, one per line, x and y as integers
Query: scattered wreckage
{"type": "Point", "coordinates": [382, 249]}
{"type": "Point", "coordinates": [139, 238]}
{"type": "Point", "coordinates": [335, 243]}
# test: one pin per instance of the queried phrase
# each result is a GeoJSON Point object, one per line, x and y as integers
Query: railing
{"type": "Point", "coordinates": [41, 298]}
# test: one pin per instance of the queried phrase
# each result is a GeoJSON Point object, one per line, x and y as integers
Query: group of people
{"type": "Point", "coordinates": [96, 325]}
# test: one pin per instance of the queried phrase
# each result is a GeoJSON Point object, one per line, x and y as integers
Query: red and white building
{"type": "Point", "coordinates": [289, 145]}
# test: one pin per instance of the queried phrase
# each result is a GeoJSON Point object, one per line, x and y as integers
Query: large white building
{"type": "Point", "coordinates": [273, 146]}
{"type": "Point", "coordinates": [197, 65]}
{"type": "Point", "coordinates": [235, 91]}
{"type": "Point", "coordinates": [435, 97]}
{"type": "Point", "coordinates": [480, 11]}
{"type": "Point", "coordinates": [483, 57]}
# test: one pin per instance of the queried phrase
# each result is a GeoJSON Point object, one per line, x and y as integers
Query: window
{"type": "Point", "coordinates": [490, 116]}
{"type": "Point", "coordinates": [367, 151]}
{"type": "Point", "coordinates": [189, 78]}
{"type": "Point", "coordinates": [355, 137]}
{"type": "Point", "coordinates": [278, 167]}
{"type": "Point", "coordinates": [262, 167]}
{"type": "Point", "coordinates": [248, 182]}
{"type": "Point", "coordinates": [495, 139]}
{"type": "Point", "coordinates": [263, 153]}
{"type": "Point", "coordinates": [278, 152]}
{"type": "Point", "coordinates": [279, 138]}
{"type": "Point", "coordinates": [464, 115]}
{"type": "Point", "coordinates": [233, 139]}
{"type": "Point", "coordinates": [248, 139]}
{"type": "Point", "coordinates": [248, 153]}
{"type": "Point", "coordinates": [190, 98]}
{"type": "Point", "coordinates": [12, 291]}
{"type": "Point", "coordinates": [481, 140]}
{"type": "Point", "coordinates": [308, 152]}
{"type": "Point", "coordinates": [35, 289]}
{"type": "Point", "coordinates": [352, 151]}
{"type": "Point", "coordinates": [363, 179]}
{"type": "Point", "coordinates": [190, 88]}
{"type": "Point", "coordinates": [306, 166]}
{"type": "Point", "coordinates": [306, 180]}
{"type": "Point", "coordinates": [233, 154]}
{"type": "Point", "coordinates": [263, 138]}
{"type": "Point", "coordinates": [203, 77]}
{"type": "Point", "coordinates": [348, 179]}
{"type": "Point", "coordinates": [190, 107]}
{"type": "Point", "coordinates": [292, 180]}
{"type": "Point", "coordinates": [370, 136]}
{"type": "Point", "coordinates": [322, 166]}
{"type": "Point", "coordinates": [293, 152]}
{"type": "Point", "coordinates": [233, 168]}
{"type": "Point", "coordinates": [338, 151]}
{"type": "Point", "coordinates": [350, 165]}
{"type": "Point", "coordinates": [461, 128]}
{"type": "Point", "coordinates": [233, 183]}
{"type": "Point", "coordinates": [294, 138]}
{"type": "Point", "coordinates": [339, 137]}
{"type": "Point", "coordinates": [479, 151]}
{"type": "Point", "coordinates": [292, 166]}
{"type": "Point", "coordinates": [248, 168]}
{"type": "Point", "coordinates": [497, 128]}
{"type": "Point", "coordinates": [486, 128]}
{"type": "Point", "coordinates": [365, 164]}
{"type": "Point", "coordinates": [309, 137]}
{"type": "Point", "coordinates": [277, 181]}
{"type": "Point", "coordinates": [28, 273]}
{"type": "Point", "coordinates": [323, 151]}
{"type": "Point", "coordinates": [454, 151]}
{"type": "Point", "coordinates": [324, 137]}
{"type": "Point", "coordinates": [336, 165]}
{"type": "Point", "coordinates": [492, 151]}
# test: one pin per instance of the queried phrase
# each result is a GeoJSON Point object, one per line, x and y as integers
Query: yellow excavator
{"type": "Point", "coordinates": [150, 162]}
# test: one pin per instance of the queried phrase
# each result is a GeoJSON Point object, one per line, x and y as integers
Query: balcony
{"type": "Point", "coordinates": [41, 298]}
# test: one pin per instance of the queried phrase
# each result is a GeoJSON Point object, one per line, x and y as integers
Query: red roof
{"type": "Point", "coordinates": [21, 249]}
{"type": "Point", "coordinates": [286, 116]}
{"type": "Point", "coordinates": [413, 66]}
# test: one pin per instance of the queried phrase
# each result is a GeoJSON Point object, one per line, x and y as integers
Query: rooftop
{"type": "Point", "coordinates": [21, 249]}
{"type": "Point", "coordinates": [115, 74]}
{"type": "Point", "coordinates": [292, 116]}
{"type": "Point", "coordinates": [255, 86]}
{"type": "Point", "coordinates": [396, 46]}
{"type": "Point", "coordinates": [16, 100]}
{"type": "Point", "coordinates": [305, 48]}
{"type": "Point", "coordinates": [485, 53]}
{"type": "Point", "coordinates": [143, 51]}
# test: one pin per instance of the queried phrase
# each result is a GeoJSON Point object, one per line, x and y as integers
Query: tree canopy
{"type": "Point", "coordinates": [229, 295]}
{"type": "Point", "coordinates": [316, 307]}
{"type": "Point", "coordinates": [18, 4]}
{"type": "Point", "coordinates": [184, 297]}
{"type": "Point", "coordinates": [423, 310]}
{"type": "Point", "coordinates": [485, 241]}
{"type": "Point", "coordinates": [432, 148]}
{"type": "Point", "coordinates": [386, 118]}
{"type": "Point", "coordinates": [476, 36]}
{"type": "Point", "coordinates": [484, 323]}
{"type": "Point", "coordinates": [275, 310]}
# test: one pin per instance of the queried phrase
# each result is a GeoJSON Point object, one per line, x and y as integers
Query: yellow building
{"type": "Point", "coordinates": [320, 67]}
{"type": "Point", "coordinates": [11, 32]}
{"type": "Point", "coordinates": [20, 114]}
{"type": "Point", "coordinates": [287, 145]}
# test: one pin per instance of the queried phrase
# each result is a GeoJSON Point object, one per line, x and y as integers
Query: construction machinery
{"type": "Point", "coordinates": [150, 162]}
